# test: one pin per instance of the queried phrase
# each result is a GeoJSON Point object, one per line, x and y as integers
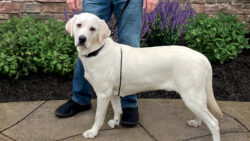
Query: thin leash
{"type": "Point", "coordinates": [112, 34]}
{"type": "Point", "coordinates": [120, 82]}
{"type": "Point", "coordinates": [119, 17]}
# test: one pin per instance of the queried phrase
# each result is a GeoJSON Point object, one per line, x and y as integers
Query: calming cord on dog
{"type": "Point", "coordinates": [120, 74]}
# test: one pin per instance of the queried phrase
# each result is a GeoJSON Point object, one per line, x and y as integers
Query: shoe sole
{"type": "Point", "coordinates": [127, 124]}
{"type": "Point", "coordinates": [65, 115]}
{"type": "Point", "coordinates": [70, 114]}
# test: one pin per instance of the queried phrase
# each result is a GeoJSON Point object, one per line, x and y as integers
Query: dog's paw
{"type": "Point", "coordinates": [194, 123]}
{"type": "Point", "coordinates": [113, 123]}
{"type": "Point", "coordinates": [89, 134]}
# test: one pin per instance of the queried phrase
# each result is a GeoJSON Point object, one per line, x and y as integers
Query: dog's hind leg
{"type": "Point", "coordinates": [199, 108]}
{"type": "Point", "coordinates": [116, 104]}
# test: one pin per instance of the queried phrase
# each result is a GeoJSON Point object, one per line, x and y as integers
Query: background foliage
{"type": "Point", "coordinates": [28, 45]}
{"type": "Point", "coordinates": [165, 24]}
{"type": "Point", "coordinates": [220, 38]}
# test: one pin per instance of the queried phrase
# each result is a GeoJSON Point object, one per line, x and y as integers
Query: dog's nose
{"type": "Point", "coordinates": [82, 40]}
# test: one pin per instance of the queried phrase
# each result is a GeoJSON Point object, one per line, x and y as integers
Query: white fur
{"type": "Point", "coordinates": [174, 68]}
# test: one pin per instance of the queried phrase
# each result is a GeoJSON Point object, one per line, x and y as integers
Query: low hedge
{"type": "Point", "coordinates": [28, 45]}
{"type": "Point", "coordinates": [220, 38]}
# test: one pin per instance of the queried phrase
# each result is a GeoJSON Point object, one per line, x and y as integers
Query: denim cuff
{"type": "Point", "coordinates": [127, 105]}
{"type": "Point", "coordinates": [77, 100]}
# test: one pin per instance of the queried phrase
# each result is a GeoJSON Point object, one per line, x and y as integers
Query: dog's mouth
{"type": "Point", "coordinates": [82, 45]}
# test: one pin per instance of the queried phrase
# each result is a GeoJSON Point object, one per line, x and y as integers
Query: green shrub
{"type": "Point", "coordinates": [220, 38]}
{"type": "Point", "coordinates": [28, 45]}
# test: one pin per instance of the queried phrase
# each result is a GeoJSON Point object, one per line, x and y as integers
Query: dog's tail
{"type": "Point", "coordinates": [212, 104]}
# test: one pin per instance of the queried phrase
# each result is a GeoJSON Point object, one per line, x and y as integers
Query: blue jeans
{"type": "Point", "coordinates": [129, 29]}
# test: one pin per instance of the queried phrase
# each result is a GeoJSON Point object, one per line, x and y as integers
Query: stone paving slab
{"type": "Point", "coordinates": [42, 124]}
{"type": "Point", "coordinates": [119, 134]}
{"type": "Point", "coordinates": [11, 113]}
{"type": "Point", "coordinates": [166, 119]}
{"type": "Point", "coordinates": [239, 110]}
{"type": "Point", "coordinates": [3, 138]}
{"type": "Point", "coordinates": [160, 119]}
{"type": "Point", "coordinates": [228, 137]}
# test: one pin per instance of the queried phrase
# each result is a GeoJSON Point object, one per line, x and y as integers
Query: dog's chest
{"type": "Point", "coordinates": [98, 71]}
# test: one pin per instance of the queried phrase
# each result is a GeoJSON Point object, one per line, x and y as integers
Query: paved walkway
{"type": "Point", "coordinates": [160, 119]}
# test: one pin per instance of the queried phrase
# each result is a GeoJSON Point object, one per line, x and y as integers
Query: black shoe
{"type": "Point", "coordinates": [71, 108]}
{"type": "Point", "coordinates": [130, 117]}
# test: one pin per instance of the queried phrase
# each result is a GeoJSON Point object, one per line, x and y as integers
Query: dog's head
{"type": "Point", "coordinates": [88, 30]}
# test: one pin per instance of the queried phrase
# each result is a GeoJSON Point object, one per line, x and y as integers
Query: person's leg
{"type": "Point", "coordinates": [81, 95]}
{"type": "Point", "coordinates": [129, 30]}
{"type": "Point", "coordinates": [81, 88]}
{"type": "Point", "coordinates": [101, 8]}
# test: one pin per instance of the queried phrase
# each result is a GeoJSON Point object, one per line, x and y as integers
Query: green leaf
{"type": "Point", "coordinates": [59, 67]}
{"type": "Point", "coordinates": [220, 38]}
{"type": "Point", "coordinates": [6, 69]}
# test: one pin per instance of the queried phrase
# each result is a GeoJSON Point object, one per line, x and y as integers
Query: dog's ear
{"type": "Point", "coordinates": [70, 25]}
{"type": "Point", "coordinates": [104, 31]}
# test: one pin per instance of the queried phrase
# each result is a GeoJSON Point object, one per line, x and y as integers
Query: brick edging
{"type": "Point", "coordinates": [44, 9]}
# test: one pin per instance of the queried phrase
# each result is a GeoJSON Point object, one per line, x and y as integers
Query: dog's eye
{"type": "Point", "coordinates": [92, 29]}
{"type": "Point", "coordinates": [79, 25]}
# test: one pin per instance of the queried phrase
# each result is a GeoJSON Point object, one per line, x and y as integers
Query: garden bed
{"type": "Point", "coordinates": [231, 82]}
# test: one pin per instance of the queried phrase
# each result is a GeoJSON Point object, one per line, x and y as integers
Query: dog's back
{"type": "Point", "coordinates": [162, 68]}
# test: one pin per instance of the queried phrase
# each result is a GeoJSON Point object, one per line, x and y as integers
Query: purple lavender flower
{"type": "Point", "coordinates": [171, 15]}
{"type": "Point", "coordinates": [67, 17]}
{"type": "Point", "coordinates": [75, 12]}
{"type": "Point", "coordinates": [116, 34]}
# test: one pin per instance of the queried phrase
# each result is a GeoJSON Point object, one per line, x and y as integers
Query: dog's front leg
{"type": "Point", "coordinates": [116, 104]}
{"type": "Point", "coordinates": [102, 105]}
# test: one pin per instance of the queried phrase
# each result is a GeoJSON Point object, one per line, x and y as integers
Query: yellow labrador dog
{"type": "Point", "coordinates": [174, 68]}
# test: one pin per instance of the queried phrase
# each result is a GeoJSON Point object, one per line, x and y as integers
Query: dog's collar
{"type": "Point", "coordinates": [94, 53]}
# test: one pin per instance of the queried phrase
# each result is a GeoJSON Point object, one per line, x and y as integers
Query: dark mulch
{"type": "Point", "coordinates": [231, 81]}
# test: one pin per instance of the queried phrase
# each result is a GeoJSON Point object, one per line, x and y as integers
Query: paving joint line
{"type": "Point", "coordinates": [223, 132]}
{"type": "Point", "coordinates": [23, 117]}
{"type": "Point", "coordinates": [81, 133]}
{"type": "Point", "coordinates": [197, 137]}
{"type": "Point", "coordinates": [69, 137]}
{"type": "Point", "coordinates": [7, 136]}
{"type": "Point", "coordinates": [147, 132]}
{"type": "Point", "coordinates": [244, 126]}
{"type": "Point", "coordinates": [235, 132]}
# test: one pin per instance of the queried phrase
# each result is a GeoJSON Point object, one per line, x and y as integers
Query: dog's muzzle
{"type": "Point", "coordinates": [82, 39]}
